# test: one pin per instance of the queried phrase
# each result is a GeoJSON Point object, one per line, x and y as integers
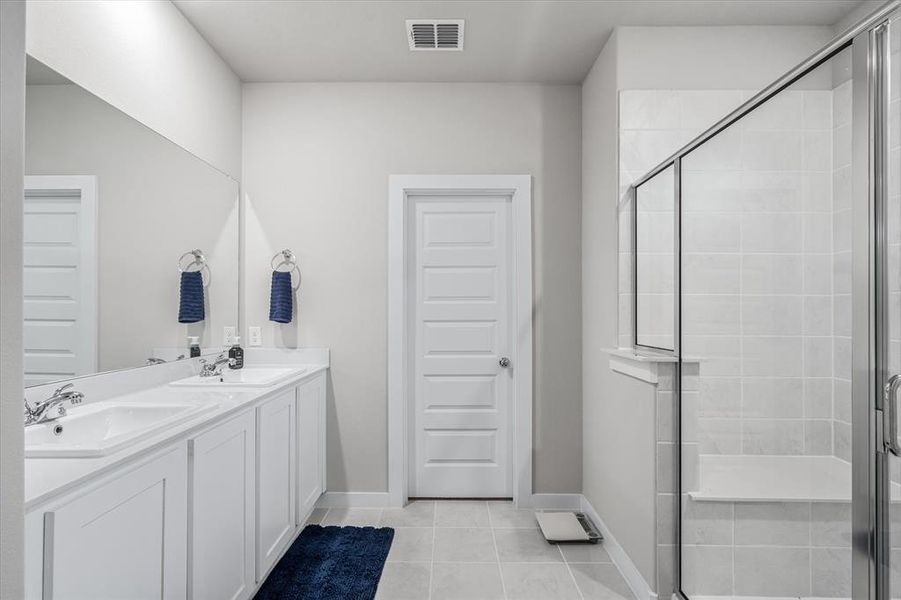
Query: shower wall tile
{"type": "Point", "coordinates": [772, 356]}
{"type": "Point", "coordinates": [711, 232]}
{"type": "Point", "coordinates": [768, 232]}
{"type": "Point", "coordinates": [707, 523]}
{"type": "Point", "coordinates": [817, 274]}
{"type": "Point", "coordinates": [771, 315]}
{"type": "Point", "coordinates": [772, 151]}
{"type": "Point", "coordinates": [830, 524]}
{"type": "Point", "coordinates": [818, 397]}
{"type": "Point", "coordinates": [707, 570]}
{"type": "Point", "coordinates": [650, 109]}
{"type": "Point", "coordinates": [772, 436]}
{"type": "Point", "coordinates": [719, 436]}
{"type": "Point", "coordinates": [709, 314]}
{"type": "Point", "coordinates": [817, 353]}
{"type": "Point", "coordinates": [771, 273]}
{"type": "Point", "coordinates": [831, 574]}
{"type": "Point", "coordinates": [772, 571]}
{"type": "Point", "coordinates": [817, 232]}
{"type": "Point", "coordinates": [772, 523]}
{"type": "Point", "coordinates": [780, 398]}
{"type": "Point", "coordinates": [817, 110]}
{"type": "Point", "coordinates": [841, 435]}
{"type": "Point", "coordinates": [711, 274]}
{"type": "Point", "coordinates": [817, 316]}
{"type": "Point", "coordinates": [818, 437]}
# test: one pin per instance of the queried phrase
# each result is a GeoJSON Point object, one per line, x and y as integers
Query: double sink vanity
{"type": "Point", "coordinates": [162, 483]}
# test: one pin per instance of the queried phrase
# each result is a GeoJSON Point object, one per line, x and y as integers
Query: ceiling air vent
{"type": "Point", "coordinates": [435, 34]}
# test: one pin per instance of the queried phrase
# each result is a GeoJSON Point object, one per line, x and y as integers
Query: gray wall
{"type": "Point", "coordinates": [12, 117]}
{"type": "Point", "coordinates": [316, 163]}
{"type": "Point", "coordinates": [618, 411]}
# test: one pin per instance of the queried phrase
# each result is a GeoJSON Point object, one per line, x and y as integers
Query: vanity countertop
{"type": "Point", "coordinates": [47, 478]}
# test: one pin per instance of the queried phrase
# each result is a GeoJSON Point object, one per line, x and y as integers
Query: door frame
{"type": "Point", "coordinates": [400, 188]}
{"type": "Point", "coordinates": [85, 186]}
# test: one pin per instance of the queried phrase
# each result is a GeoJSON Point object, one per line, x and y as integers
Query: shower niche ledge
{"type": "Point", "coordinates": [645, 367]}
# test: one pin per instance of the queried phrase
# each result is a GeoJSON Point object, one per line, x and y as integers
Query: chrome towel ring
{"type": "Point", "coordinates": [197, 260]}
{"type": "Point", "coordinates": [285, 258]}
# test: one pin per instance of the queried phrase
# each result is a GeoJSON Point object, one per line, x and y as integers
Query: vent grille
{"type": "Point", "coordinates": [435, 34]}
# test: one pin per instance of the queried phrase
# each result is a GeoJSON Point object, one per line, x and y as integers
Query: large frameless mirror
{"type": "Point", "coordinates": [114, 213]}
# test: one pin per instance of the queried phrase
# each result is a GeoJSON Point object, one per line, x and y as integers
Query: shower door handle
{"type": "Point", "coordinates": [890, 414]}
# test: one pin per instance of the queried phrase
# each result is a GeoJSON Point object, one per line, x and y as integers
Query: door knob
{"type": "Point", "coordinates": [504, 362]}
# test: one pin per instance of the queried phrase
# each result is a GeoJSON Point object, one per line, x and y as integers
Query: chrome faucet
{"type": "Point", "coordinates": [214, 369]}
{"type": "Point", "coordinates": [155, 361]}
{"type": "Point", "coordinates": [41, 411]}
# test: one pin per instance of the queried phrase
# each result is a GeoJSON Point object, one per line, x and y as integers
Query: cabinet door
{"type": "Point", "coordinates": [275, 478]}
{"type": "Point", "coordinates": [125, 539]}
{"type": "Point", "coordinates": [311, 445]}
{"type": "Point", "coordinates": [221, 523]}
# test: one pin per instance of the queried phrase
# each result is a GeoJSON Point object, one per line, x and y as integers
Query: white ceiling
{"type": "Point", "coordinates": [547, 41]}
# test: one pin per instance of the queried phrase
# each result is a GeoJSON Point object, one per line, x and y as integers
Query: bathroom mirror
{"type": "Point", "coordinates": [110, 208]}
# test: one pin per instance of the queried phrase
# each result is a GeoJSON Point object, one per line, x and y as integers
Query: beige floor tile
{"type": "Point", "coordinates": [585, 553]}
{"type": "Point", "coordinates": [415, 514]}
{"type": "Point", "coordinates": [538, 582]}
{"type": "Point", "coordinates": [504, 514]}
{"type": "Point", "coordinates": [404, 581]}
{"type": "Point", "coordinates": [412, 544]}
{"type": "Point", "coordinates": [462, 513]}
{"type": "Point", "coordinates": [468, 544]}
{"type": "Point", "coordinates": [600, 582]}
{"type": "Point", "coordinates": [462, 581]}
{"type": "Point", "coordinates": [525, 545]}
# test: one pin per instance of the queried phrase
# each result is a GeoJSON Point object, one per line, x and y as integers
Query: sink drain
{"type": "Point", "coordinates": [58, 430]}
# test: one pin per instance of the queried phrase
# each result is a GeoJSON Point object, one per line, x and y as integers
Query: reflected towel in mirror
{"type": "Point", "coordinates": [190, 306]}
{"type": "Point", "coordinates": [281, 299]}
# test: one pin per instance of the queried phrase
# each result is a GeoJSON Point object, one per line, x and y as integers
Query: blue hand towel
{"type": "Point", "coordinates": [281, 299]}
{"type": "Point", "coordinates": [190, 307]}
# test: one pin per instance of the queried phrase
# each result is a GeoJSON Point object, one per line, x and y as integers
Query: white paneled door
{"type": "Point", "coordinates": [59, 278]}
{"type": "Point", "coordinates": [462, 328]}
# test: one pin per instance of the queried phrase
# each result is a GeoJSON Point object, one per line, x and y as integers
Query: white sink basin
{"type": "Point", "coordinates": [246, 377]}
{"type": "Point", "coordinates": [103, 427]}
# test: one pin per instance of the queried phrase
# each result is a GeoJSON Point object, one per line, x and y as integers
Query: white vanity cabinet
{"type": "Point", "coordinates": [204, 517]}
{"type": "Point", "coordinates": [124, 538]}
{"type": "Point", "coordinates": [276, 479]}
{"type": "Point", "coordinates": [221, 515]}
{"type": "Point", "coordinates": [311, 399]}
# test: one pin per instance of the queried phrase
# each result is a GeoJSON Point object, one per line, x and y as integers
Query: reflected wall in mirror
{"type": "Point", "coordinates": [110, 206]}
{"type": "Point", "coordinates": [655, 261]}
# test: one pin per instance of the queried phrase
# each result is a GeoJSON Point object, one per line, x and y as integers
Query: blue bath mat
{"type": "Point", "coordinates": [330, 563]}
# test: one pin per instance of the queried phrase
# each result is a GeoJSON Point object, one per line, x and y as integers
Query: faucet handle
{"type": "Point", "coordinates": [62, 389]}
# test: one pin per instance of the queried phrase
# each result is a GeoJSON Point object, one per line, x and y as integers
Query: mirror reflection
{"type": "Point", "coordinates": [111, 279]}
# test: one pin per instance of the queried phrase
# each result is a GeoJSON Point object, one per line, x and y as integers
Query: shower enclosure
{"type": "Point", "coordinates": [767, 259]}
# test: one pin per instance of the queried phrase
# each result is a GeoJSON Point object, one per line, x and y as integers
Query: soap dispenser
{"type": "Point", "coordinates": [236, 354]}
{"type": "Point", "coordinates": [194, 346]}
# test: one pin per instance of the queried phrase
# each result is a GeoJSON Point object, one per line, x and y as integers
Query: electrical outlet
{"type": "Point", "coordinates": [228, 336]}
{"type": "Point", "coordinates": [254, 336]}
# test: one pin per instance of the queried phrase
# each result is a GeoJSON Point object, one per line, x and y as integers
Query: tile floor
{"type": "Point", "coordinates": [463, 550]}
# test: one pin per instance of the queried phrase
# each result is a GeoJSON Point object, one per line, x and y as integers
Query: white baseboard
{"type": "Point", "coordinates": [354, 500]}
{"type": "Point", "coordinates": [626, 567]}
{"type": "Point", "coordinates": [556, 502]}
